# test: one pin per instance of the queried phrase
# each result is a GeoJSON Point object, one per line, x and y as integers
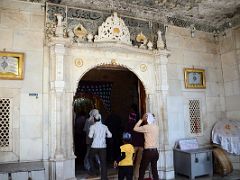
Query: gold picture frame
{"type": "Point", "coordinates": [194, 78]}
{"type": "Point", "coordinates": [11, 65]}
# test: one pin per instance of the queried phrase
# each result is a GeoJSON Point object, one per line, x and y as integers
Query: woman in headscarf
{"type": "Point", "coordinates": [150, 152]}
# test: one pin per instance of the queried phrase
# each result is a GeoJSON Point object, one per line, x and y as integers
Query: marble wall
{"type": "Point", "coordinates": [22, 30]}
{"type": "Point", "coordinates": [230, 58]}
{"type": "Point", "coordinates": [199, 52]}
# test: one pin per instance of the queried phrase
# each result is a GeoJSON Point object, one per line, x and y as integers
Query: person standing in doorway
{"type": "Point", "coordinates": [79, 137]}
{"type": "Point", "coordinates": [88, 123]}
{"type": "Point", "coordinates": [125, 161]}
{"type": "Point", "coordinates": [99, 132]}
{"type": "Point", "coordinates": [150, 152]}
{"type": "Point", "coordinates": [137, 139]}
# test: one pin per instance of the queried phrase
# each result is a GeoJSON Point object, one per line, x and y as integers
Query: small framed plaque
{"type": "Point", "coordinates": [194, 78]}
{"type": "Point", "coordinates": [11, 65]}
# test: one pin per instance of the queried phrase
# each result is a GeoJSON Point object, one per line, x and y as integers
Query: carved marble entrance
{"type": "Point", "coordinates": [70, 61]}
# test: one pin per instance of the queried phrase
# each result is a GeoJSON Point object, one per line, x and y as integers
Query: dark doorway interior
{"type": "Point", "coordinates": [126, 89]}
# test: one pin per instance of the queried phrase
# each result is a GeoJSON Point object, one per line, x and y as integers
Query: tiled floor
{"type": "Point", "coordinates": [235, 175]}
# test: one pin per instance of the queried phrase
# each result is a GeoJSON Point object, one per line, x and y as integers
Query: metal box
{"type": "Point", "coordinates": [194, 162]}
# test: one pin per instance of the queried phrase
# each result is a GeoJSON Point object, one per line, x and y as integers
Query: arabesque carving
{"type": "Point", "coordinates": [113, 29]}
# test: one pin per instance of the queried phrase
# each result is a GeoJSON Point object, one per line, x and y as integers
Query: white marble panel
{"type": "Point", "coordinates": [193, 59]}
{"type": "Point", "coordinates": [165, 164]}
{"type": "Point", "coordinates": [226, 44]}
{"type": "Point", "coordinates": [31, 127]}
{"type": "Point", "coordinates": [230, 73]}
{"type": "Point", "coordinates": [233, 115]}
{"type": "Point", "coordinates": [199, 45]}
{"type": "Point", "coordinates": [210, 60]}
{"type": "Point", "coordinates": [213, 104]}
{"type": "Point", "coordinates": [6, 38]}
{"type": "Point", "coordinates": [33, 72]}
{"type": "Point", "coordinates": [38, 175]}
{"type": "Point", "coordinates": [176, 56]}
{"type": "Point", "coordinates": [31, 105]}
{"type": "Point", "coordinates": [28, 40]}
{"type": "Point", "coordinates": [37, 21]}
{"type": "Point", "coordinates": [69, 169]}
{"type": "Point", "coordinates": [212, 118]}
{"type": "Point", "coordinates": [175, 104]}
{"type": "Point", "coordinates": [172, 71]}
{"type": "Point", "coordinates": [4, 176]}
{"type": "Point", "coordinates": [213, 75]}
{"type": "Point", "coordinates": [228, 87]}
{"type": "Point", "coordinates": [15, 19]}
{"type": "Point", "coordinates": [222, 103]}
{"type": "Point", "coordinates": [180, 71]}
{"type": "Point", "coordinates": [236, 87]}
{"type": "Point", "coordinates": [173, 41]}
{"type": "Point", "coordinates": [210, 47]}
{"type": "Point", "coordinates": [11, 84]}
{"type": "Point", "coordinates": [22, 5]}
{"type": "Point", "coordinates": [229, 58]}
{"type": "Point", "coordinates": [20, 176]}
{"type": "Point", "coordinates": [237, 37]}
{"type": "Point", "coordinates": [233, 103]}
{"type": "Point", "coordinates": [173, 30]}
{"type": "Point", "coordinates": [214, 89]}
{"type": "Point", "coordinates": [175, 120]}
{"type": "Point", "coordinates": [31, 149]}
{"type": "Point", "coordinates": [174, 88]}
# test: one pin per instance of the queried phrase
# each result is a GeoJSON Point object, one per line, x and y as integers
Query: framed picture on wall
{"type": "Point", "coordinates": [11, 65]}
{"type": "Point", "coordinates": [194, 78]}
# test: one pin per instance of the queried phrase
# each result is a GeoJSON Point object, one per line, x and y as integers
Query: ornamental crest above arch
{"type": "Point", "coordinates": [113, 30]}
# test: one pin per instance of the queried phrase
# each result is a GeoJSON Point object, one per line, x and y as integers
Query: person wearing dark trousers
{"type": "Point", "coordinates": [99, 132]}
{"type": "Point", "coordinates": [88, 123]}
{"type": "Point", "coordinates": [125, 161]}
{"type": "Point", "coordinates": [150, 152]}
{"type": "Point", "coordinates": [137, 139]}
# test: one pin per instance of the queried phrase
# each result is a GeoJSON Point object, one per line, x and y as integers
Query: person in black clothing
{"type": "Point", "coordinates": [137, 139]}
{"type": "Point", "coordinates": [113, 122]}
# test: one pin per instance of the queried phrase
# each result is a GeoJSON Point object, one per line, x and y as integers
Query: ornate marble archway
{"type": "Point", "coordinates": [70, 61]}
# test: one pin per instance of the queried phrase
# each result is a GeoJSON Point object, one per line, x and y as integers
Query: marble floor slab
{"type": "Point", "coordinates": [112, 174]}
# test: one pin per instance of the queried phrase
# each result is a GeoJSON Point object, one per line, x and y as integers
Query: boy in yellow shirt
{"type": "Point", "coordinates": [125, 161]}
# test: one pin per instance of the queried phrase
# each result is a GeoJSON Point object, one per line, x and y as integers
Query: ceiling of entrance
{"type": "Point", "coordinates": [218, 14]}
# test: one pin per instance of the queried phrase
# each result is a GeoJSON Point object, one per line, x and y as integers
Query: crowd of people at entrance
{"type": "Point", "coordinates": [137, 151]}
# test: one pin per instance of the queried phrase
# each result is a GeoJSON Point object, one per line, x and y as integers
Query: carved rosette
{"type": "Point", "coordinates": [113, 29]}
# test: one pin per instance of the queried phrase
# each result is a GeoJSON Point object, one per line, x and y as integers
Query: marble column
{"type": "Point", "coordinates": [165, 164]}
{"type": "Point", "coordinates": [58, 85]}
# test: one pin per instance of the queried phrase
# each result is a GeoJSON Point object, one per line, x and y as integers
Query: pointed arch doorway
{"type": "Point", "coordinates": [123, 89]}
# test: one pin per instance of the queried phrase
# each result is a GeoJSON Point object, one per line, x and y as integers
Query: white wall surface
{"type": "Point", "coordinates": [198, 52]}
{"type": "Point", "coordinates": [22, 30]}
{"type": "Point", "coordinates": [230, 57]}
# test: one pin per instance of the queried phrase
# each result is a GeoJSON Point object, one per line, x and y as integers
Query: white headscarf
{"type": "Point", "coordinates": [150, 118]}
{"type": "Point", "coordinates": [98, 116]}
{"type": "Point", "coordinates": [93, 112]}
